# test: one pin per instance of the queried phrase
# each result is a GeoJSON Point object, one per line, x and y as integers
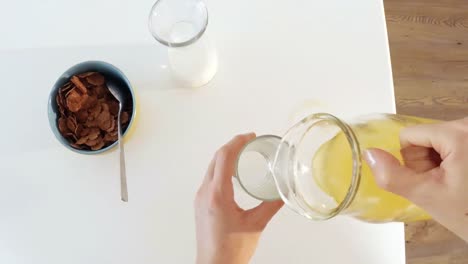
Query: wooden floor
{"type": "Point", "coordinates": [429, 51]}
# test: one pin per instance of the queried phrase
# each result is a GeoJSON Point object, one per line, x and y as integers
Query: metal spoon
{"type": "Point", "coordinates": [123, 175]}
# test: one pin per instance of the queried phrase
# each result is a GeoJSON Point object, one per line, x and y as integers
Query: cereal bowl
{"type": "Point", "coordinates": [82, 112]}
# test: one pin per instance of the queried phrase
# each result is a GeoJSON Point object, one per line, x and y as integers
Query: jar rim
{"type": "Point", "coordinates": [356, 158]}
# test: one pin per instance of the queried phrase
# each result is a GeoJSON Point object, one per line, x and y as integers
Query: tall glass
{"type": "Point", "coordinates": [316, 168]}
{"type": "Point", "coordinates": [181, 26]}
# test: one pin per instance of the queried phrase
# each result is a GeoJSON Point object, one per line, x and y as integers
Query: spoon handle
{"type": "Point", "coordinates": [123, 172]}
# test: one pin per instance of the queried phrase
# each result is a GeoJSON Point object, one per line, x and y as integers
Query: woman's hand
{"type": "Point", "coordinates": [434, 175]}
{"type": "Point", "coordinates": [226, 233]}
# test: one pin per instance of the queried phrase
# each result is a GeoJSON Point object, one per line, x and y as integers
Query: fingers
{"type": "Point", "coordinates": [420, 159]}
{"type": "Point", "coordinates": [210, 171]}
{"type": "Point", "coordinates": [226, 159]}
{"type": "Point", "coordinates": [429, 136]}
{"type": "Point", "coordinates": [390, 175]}
{"type": "Point", "coordinates": [217, 183]}
{"type": "Point", "coordinates": [206, 180]}
{"type": "Point", "coordinates": [264, 212]}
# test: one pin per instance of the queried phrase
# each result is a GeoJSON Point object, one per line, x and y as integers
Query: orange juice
{"type": "Point", "coordinates": [333, 165]}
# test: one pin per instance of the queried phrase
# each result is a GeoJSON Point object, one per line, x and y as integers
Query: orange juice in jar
{"type": "Point", "coordinates": [333, 161]}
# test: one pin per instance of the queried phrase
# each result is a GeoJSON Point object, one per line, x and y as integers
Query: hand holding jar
{"type": "Point", "coordinates": [434, 173]}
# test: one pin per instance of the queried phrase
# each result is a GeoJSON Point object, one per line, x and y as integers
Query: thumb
{"type": "Point", "coordinates": [390, 175]}
{"type": "Point", "coordinates": [265, 211]}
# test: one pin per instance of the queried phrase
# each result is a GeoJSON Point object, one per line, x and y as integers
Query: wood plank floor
{"type": "Point", "coordinates": [429, 51]}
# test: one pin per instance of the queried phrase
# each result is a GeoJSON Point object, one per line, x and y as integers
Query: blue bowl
{"type": "Point", "coordinates": [110, 72]}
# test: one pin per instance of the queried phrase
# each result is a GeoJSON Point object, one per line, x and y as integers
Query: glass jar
{"type": "Point", "coordinates": [316, 168]}
{"type": "Point", "coordinates": [181, 26]}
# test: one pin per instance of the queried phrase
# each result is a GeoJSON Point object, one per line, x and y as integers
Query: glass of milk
{"type": "Point", "coordinates": [181, 26]}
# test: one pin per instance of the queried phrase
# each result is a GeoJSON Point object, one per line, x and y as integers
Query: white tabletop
{"type": "Point", "coordinates": [276, 63]}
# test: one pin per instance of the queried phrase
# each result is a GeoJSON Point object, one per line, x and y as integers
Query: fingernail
{"type": "Point", "coordinates": [249, 134]}
{"type": "Point", "coordinates": [369, 157]}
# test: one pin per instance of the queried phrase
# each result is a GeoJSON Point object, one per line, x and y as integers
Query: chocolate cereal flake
{"type": "Point", "coordinates": [88, 112]}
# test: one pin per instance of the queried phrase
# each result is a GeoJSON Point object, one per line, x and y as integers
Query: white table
{"type": "Point", "coordinates": [277, 62]}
